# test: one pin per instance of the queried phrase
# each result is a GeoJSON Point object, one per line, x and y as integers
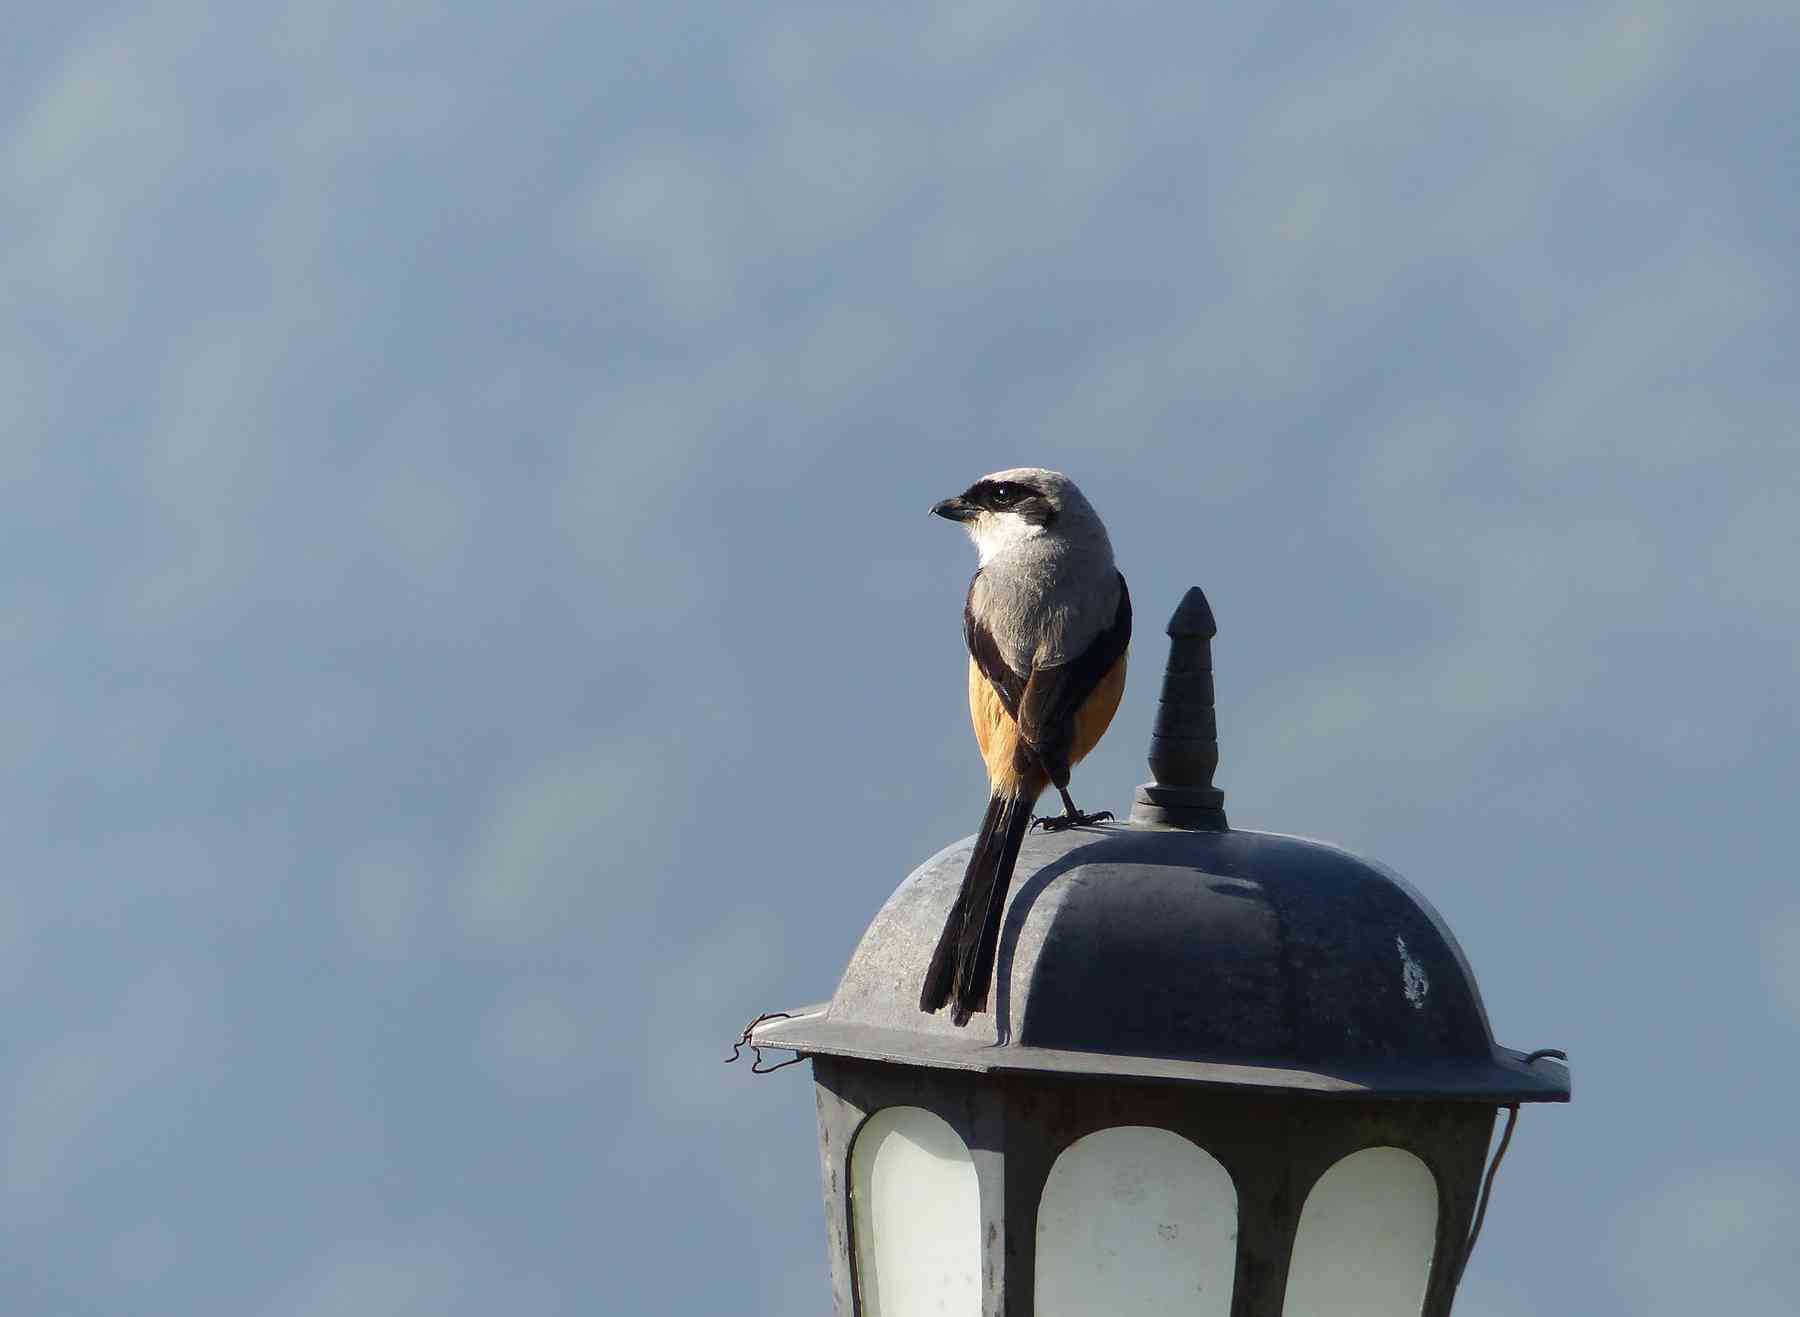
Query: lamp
{"type": "Point", "coordinates": [1225, 1074]}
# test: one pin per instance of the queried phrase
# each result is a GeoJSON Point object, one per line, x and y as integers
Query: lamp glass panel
{"type": "Point", "coordinates": [1135, 1219]}
{"type": "Point", "coordinates": [916, 1214]}
{"type": "Point", "coordinates": [1366, 1238]}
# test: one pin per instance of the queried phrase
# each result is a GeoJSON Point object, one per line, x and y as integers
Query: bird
{"type": "Point", "coordinates": [1048, 623]}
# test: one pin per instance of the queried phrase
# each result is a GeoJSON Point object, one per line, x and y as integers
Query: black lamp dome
{"type": "Point", "coordinates": [1173, 947]}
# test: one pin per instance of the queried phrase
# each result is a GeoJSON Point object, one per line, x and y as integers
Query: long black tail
{"type": "Point", "coordinates": [964, 960]}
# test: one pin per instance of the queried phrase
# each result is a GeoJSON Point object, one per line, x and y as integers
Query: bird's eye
{"type": "Point", "coordinates": [1005, 495]}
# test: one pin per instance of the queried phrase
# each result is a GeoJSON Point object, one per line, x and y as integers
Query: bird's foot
{"type": "Point", "coordinates": [1075, 818]}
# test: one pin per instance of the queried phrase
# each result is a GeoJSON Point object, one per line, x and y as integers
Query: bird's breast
{"type": "Point", "coordinates": [1040, 616]}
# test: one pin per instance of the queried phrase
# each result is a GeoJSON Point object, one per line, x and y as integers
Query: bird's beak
{"type": "Point", "coordinates": [955, 509]}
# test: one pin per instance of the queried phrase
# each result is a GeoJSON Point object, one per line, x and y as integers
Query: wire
{"type": "Point", "coordinates": [756, 1061]}
{"type": "Point", "coordinates": [1487, 1185]}
{"type": "Point", "coordinates": [1487, 1190]}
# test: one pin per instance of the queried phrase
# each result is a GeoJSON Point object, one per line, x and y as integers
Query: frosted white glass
{"type": "Point", "coordinates": [1366, 1237]}
{"type": "Point", "coordinates": [916, 1212]}
{"type": "Point", "coordinates": [1136, 1220]}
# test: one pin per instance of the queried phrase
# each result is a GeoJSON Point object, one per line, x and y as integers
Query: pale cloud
{"type": "Point", "coordinates": [831, 170]}
{"type": "Point", "coordinates": [1590, 63]}
{"type": "Point", "coordinates": [13, 928]}
{"type": "Point", "coordinates": [1752, 559]}
{"type": "Point", "coordinates": [377, 1278]}
{"type": "Point", "coordinates": [385, 895]}
{"type": "Point", "coordinates": [1781, 958]}
{"type": "Point", "coordinates": [142, 1255]}
{"type": "Point", "coordinates": [1627, 390]}
{"type": "Point", "coordinates": [670, 219]}
{"type": "Point", "coordinates": [1715, 1237]}
{"type": "Point", "coordinates": [556, 842]}
{"type": "Point", "coordinates": [77, 152]}
{"type": "Point", "coordinates": [71, 1095]}
{"type": "Point", "coordinates": [957, 32]}
{"type": "Point", "coordinates": [534, 1042]}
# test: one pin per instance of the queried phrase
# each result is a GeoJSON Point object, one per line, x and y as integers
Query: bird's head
{"type": "Point", "coordinates": [1013, 507]}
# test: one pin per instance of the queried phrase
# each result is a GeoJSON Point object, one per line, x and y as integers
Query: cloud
{"type": "Point", "coordinates": [377, 1278]}
{"type": "Point", "coordinates": [1713, 1236]}
{"type": "Point", "coordinates": [385, 894]}
{"type": "Point", "coordinates": [1781, 958]}
{"type": "Point", "coordinates": [562, 840]}
{"type": "Point", "coordinates": [670, 219]}
{"type": "Point", "coordinates": [86, 156]}
{"type": "Point", "coordinates": [68, 1095]}
{"type": "Point", "coordinates": [142, 1255]}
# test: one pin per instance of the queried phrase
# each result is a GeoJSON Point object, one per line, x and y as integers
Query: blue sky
{"type": "Point", "coordinates": [473, 637]}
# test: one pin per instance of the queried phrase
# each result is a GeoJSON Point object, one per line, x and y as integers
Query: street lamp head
{"type": "Point", "coordinates": [1221, 959]}
{"type": "Point", "coordinates": [1245, 1070]}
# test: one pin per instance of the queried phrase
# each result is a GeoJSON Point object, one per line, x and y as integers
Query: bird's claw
{"type": "Point", "coordinates": [1073, 819]}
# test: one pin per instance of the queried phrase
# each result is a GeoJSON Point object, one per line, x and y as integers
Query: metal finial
{"type": "Point", "coordinates": [1184, 744]}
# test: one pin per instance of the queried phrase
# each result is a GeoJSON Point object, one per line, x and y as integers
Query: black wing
{"type": "Point", "coordinates": [1009, 685]}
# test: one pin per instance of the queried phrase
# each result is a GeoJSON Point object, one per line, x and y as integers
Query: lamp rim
{"type": "Point", "coordinates": [1505, 1076]}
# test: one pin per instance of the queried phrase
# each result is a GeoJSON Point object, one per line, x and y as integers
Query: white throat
{"type": "Point", "coordinates": [996, 532]}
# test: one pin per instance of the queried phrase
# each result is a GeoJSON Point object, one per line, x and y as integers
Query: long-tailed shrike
{"type": "Point", "coordinates": [1048, 620]}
